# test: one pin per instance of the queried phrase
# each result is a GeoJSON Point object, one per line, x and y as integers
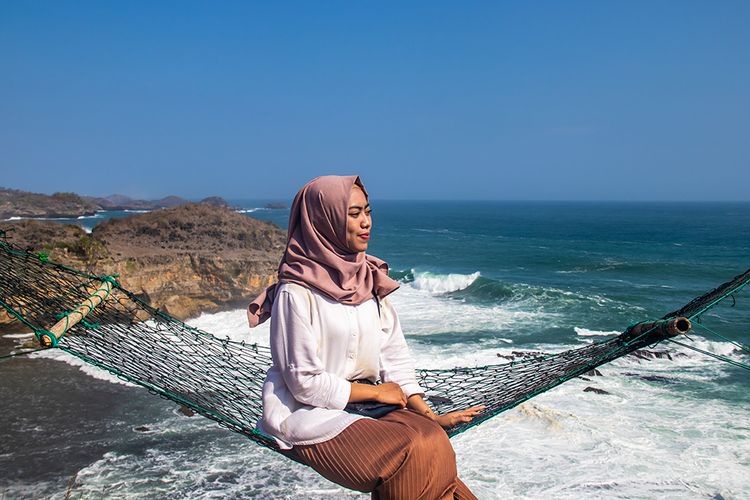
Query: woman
{"type": "Point", "coordinates": [332, 327]}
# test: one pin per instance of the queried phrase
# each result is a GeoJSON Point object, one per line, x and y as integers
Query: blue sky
{"type": "Point", "coordinates": [425, 100]}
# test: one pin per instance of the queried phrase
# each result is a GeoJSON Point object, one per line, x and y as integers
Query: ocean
{"type": "Point", "coordinates": [478, 280]}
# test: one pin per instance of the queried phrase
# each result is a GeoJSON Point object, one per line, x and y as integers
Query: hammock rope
{"type": "Point", "coordinates": [222, 379]}
{"type": "Point", "coordinates": [735, 343]}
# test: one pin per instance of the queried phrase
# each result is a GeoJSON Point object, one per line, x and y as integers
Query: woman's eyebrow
{"type": "Point", "coordinates": [359, 207]}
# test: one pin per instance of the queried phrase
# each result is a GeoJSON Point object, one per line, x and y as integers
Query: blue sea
{"type": "Point", "coordinates": [479, 280]}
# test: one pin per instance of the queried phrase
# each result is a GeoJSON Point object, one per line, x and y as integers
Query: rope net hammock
{"type": "Point", "coordinates": [97, 320]}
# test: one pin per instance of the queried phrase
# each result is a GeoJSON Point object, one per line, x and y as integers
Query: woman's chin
{"type": "Point", "coordinates": [358, 247]}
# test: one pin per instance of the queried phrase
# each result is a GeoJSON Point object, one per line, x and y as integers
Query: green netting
{"type": "Point", "coordinates": [222, 379]}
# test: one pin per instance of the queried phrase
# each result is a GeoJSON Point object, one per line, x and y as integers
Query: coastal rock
{"type": "Point", "coordinates": [185, 260]}
{"type": "Point", "coordinates": [651, 378]}
{"type": "Point", "coordinates": [596, 391]}
{"type": "Point", "coordinates": [648, 354]}
{"type": "Point", "coordinates": [24, 204]}
{"type": "Point", "coordinates": [15, 203]}
{"type": "Point", "coordinates": [64, 243]}
{"type": "Point", "coordinates": [196, 229]}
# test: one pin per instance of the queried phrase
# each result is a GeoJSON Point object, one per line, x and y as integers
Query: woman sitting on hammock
{"type": "Point", "coordinates": [334, 335]}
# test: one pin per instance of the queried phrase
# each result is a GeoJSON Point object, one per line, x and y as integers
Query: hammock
{"type": "Point", "coordinates": [108, 326]}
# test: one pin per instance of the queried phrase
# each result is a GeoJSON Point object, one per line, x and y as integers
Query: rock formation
{"type": "Point", "coordinates": [15, 203]}
{"type": "Point", "coordinates": [186, 260]}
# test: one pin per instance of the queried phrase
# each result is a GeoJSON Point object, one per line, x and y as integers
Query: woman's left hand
{"type": "Point", "coordinates": [458, 417]}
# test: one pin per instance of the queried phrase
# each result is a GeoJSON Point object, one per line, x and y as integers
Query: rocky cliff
{"type": "Point", "coordinates": [186, 260]}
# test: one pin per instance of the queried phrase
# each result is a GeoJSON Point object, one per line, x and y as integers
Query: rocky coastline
{"type": "Point", "coordinates": [189, 259]}
{"type": "Point", "coordinates": [15, 203]}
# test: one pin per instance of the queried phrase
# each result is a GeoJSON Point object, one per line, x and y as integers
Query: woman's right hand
{"type": "Point", "coordinates": [390, 393]}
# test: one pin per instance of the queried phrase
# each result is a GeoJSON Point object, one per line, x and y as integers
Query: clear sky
{"type": "Point", "coordinates": [563, 100]}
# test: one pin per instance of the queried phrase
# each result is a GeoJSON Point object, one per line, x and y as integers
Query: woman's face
{"type": "Point", "coordinates": [358, 221]}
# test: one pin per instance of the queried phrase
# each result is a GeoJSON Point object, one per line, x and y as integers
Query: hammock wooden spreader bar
{"type": "Point", "coordinates": [70, 319]}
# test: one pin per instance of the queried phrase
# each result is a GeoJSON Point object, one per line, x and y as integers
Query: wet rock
{"type": "Point", "coordinates": [596, 391]}
{"type": "Point", "coordinates": [647, 354]}
{"type": "Point", "coordinates": [652, 378]}
{"type": "Point", "coordinates": [186, 411]}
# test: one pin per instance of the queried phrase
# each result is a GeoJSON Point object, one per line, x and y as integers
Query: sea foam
{"type": "Point", "coordinates": [442, 283]}
{"type": "Point", "coordinates": [585, 332]}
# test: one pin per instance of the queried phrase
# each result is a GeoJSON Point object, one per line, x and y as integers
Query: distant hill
{"type": "Point", "coordinates": [17, 203]}
{"type": "Point", "coordinates": [122, 202]}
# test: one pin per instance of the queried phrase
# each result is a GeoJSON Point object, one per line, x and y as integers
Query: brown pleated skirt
{"type": "Point", "coordinates": [403, 455]}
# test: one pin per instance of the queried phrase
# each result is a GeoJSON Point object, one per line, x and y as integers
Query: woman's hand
{"type": "Point", "coordinates": [458, 417]}
{"type": "Point", "coordinates": [388, 392]}
{"type": "Point", "coordinates": [391, 393]}
{"type": "Point", "coordinates": [417, 403]}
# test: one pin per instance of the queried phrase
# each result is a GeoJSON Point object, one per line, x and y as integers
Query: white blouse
{"type": "Point", "coordinates": [318, 345]}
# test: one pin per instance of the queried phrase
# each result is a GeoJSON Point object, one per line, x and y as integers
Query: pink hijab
{"type": "Point", "coordinates": [317, 255]}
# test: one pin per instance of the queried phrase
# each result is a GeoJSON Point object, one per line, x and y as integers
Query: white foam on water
{"type": "Point", "coordinates": [212, 463]}
{"type": "Point", "coordinates": [422, 313]}
{"type": "Point", "coordinates": [251, 210]}
{"type": "Point", "coordinates": [575, 270]}
{"type": "Point", "coordinates": [439, 358]}
{"type": "Point", "coordinates": [536, 298]}
{"type": "Point", "coordinates": [716, 347]}
{"type": "Point", "coordinates": [18, 335]}
{"type": "Point", "coordinates": [584, 332]}
{"type": "Point", "coordinates": [442, 283]}
{"type": "Point", "coordinates": [635, 442]}
{"type": "Point", "coordinates": [87, 368]}
{"type": "Point", "coordinates": [232, 324]}
{"type": "Point", "coordinates": [16, 217]}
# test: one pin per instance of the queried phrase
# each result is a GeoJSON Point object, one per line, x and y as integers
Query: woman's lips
{"type": "Point", "coordinates": [365, 236]}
